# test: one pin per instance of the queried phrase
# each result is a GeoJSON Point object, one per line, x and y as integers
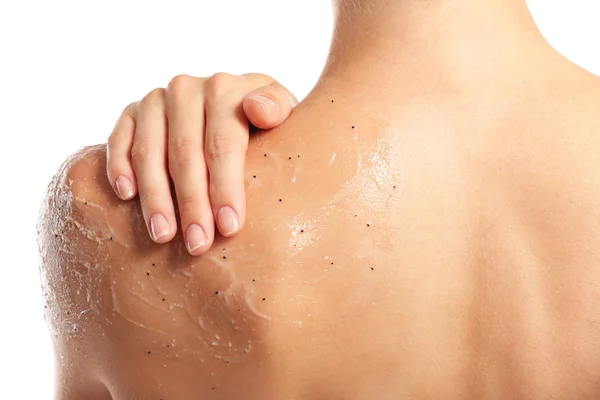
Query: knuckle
{"type": "Point", "coordinates": [181, 154]}
{"type": "Point", "coordinates": [183, 145]}
{"type": "Point", "coordinates": [180, 83]}
{"type": "Point", "coordinates": [219, 84]}
{"type": "Point", "coordinates": [130, 107]}
{"type": "Point", "coordinates": [219, 144]}
{"type": "Point", "coordinates": [154, 96]}
{"type": "Point", "coordinates": [113, 139]}
{"type": "Point", "coordinates": [177, 165]}
{"type": "Point", "coordinates": [139, 151]}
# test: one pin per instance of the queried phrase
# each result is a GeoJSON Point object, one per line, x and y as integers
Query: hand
{"type": "Point", "coordinates": [194, 129]}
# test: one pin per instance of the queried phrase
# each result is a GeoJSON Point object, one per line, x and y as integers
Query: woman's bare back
{"type": "Point", "coordinates": [430, 243]}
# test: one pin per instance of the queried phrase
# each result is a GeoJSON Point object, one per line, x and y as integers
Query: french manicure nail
{"type": "Point", "coordinates": [195, 237]}
{"type": "Point", "coordinates": [124, 187]}
{"type": "Point", "coordinates": [228, 221]}
{"type": "Point", "coordinates": [267, 103]}
{"type": "Point", "coordinates": [159, 226]}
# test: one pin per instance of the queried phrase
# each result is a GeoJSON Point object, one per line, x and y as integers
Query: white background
{"type": "Point", "coordinates": [67, 68]}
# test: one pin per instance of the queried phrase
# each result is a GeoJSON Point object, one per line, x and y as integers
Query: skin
{"type": "Point", "coordinates": [194, 133]}
{"type": "Point", "coordinates": [437, 234]}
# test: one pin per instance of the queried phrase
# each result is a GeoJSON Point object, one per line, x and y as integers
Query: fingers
{"type": "Point", "coordinates": [225, 150]}
{"type": "Point", "coordinates": [207, 123]}
{"type": "Point", "coordinates": [185, 110]}
{"type": "Point", "coordinates": [268, 106]}
{"type": "Point", "coordinates": [118, 149]}
{"type": "Point", "coordinates": [148, 156]}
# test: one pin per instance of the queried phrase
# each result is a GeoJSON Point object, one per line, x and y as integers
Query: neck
{"type": "Point", "coordinates": [450, 41]}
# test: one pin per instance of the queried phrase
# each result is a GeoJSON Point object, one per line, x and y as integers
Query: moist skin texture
{"type": "Point", "coordinates": [429, 243]}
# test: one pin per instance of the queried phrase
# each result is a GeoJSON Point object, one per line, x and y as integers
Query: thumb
{"type": "Point", "coordinates": [268, 106]}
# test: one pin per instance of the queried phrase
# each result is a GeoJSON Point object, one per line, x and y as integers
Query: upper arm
{"type": "Point", "coordinates": [72, 240]}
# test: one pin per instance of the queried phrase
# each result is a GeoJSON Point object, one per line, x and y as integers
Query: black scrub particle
{"type": "Point", "coordinates": [394, 186]}
{"type": "Point", "coordinates": [264, 298]}
{"type": "Point", "coordinates": [148, 273]}
{"type": "Point", "coordinates": [223, 248]}
{"type": "Point", "coordinates": [265, 154]}
{"type": "Point", "coordinates": [255, 176]}
{"type": "Point", "coordinates": [289, 158]}
{"type": "Point", "coordinates": [332, 263]}
{"type": "Point", "coordinates": [111, 238]}
{"type": "Point", "coordinates": [280, 200]}
{"type": "Point", "coordinates": [224, 258]}
{"type": "Point", "coordinates": [216, 293]}
{"type": "Point", "coordinates": [298, 155]}
{"type": "Point", "coordinates": [368, 224]}
{"type": "Point", "coordinates": [301, 230]}
{"type": "Point", "coordinates": [168, 346]}
{"type": "Point", "coordinates": [86, 203]}
{"type": "Point", "coordinates": [149, 352]}
{"type": "Point", "coordinates": [332, 101]}
{"type": "Point", "coordinates": [153, 264]}
{"type": "Point", "coordinates": [372, 269]}
{"type": "Point", "coordinates": [253, 280]}
{"type": "Point", "coordinates": [164, 299]}
{"type": "Point", "coordinates": [56, 235]}
{"type": "Point", "coordinates": [352, 126]}
{"type": "Point", "coordinates": [68, 313]}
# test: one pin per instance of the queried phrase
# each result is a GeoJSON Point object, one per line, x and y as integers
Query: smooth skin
{"type": "Point", "coordinates": [195, 132]}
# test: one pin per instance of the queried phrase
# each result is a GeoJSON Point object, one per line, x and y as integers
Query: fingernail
{"type": "Point", "coordinates": [159, 226]}
{"type": "Point", "coordinates": [228, 221]}
{"type": "Point", "coordinates": [267, 103]}
{"type": "Point", "coordinates": [195, 237]}
{"type": "Point", "coordinates": [124, 187]}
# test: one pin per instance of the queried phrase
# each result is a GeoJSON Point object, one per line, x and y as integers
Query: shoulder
{"type": "Point", "coordinates": [121, 308]}
{"type": "Point", "coordinates": [79, 185]}
{"type": "Point", "coordinates": [66, 248]}
{"type": "Point", "coordinates": [64, 228]}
